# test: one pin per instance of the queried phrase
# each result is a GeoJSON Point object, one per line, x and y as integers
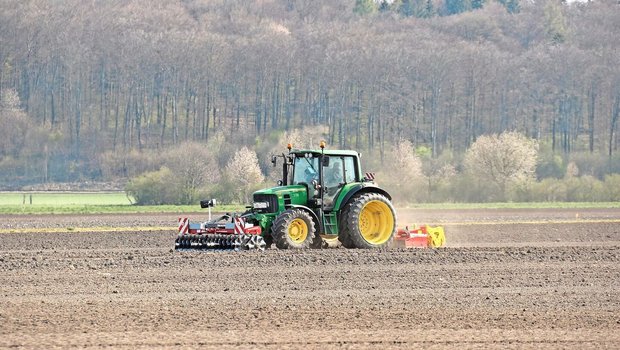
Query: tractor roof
{"type": "Point", "coordinates": [328, 152]}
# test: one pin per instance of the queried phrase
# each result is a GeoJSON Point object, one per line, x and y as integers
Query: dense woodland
{"type": "Point", "coordinates": [90, 87]}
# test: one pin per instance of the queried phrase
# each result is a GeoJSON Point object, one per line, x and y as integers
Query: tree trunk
{"type": "Point", "coordinates": [164, 113]}
{"type": "Point", "coordinates": [591, 109]}
{"type": "Point", "coordinates": [615, 112]}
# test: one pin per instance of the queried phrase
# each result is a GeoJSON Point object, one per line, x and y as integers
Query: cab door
{"type": "Point", "coordinates": [341, 170]}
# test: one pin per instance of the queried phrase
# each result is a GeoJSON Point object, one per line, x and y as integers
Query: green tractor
{"type": "Point", "coordinates": [323, 196]}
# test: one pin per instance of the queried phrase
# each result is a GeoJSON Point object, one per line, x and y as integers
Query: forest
{"type": "Point", "coordinates": [119, 90]}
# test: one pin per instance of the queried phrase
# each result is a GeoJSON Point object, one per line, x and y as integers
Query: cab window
{"type": "Point", "coordinates": [306, 170]}
{"type": "Point", "coordinates": [349, 169]}
{"type": "Point", "coordinates": [341, 170]}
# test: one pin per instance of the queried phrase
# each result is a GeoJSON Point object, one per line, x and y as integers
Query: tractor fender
{"type": "Point", "coordinates": [362, 188]}
{"type": "Point", "coordinates": [318, 222]}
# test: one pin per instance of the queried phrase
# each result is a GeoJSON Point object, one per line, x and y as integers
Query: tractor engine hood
{"type": "Point", "coordinates": [282, 195]}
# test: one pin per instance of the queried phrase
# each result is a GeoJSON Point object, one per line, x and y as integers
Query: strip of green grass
{"type": "Point", "coordinates": [119, 202]}
{"type": "Point", "coordinates": [64, 198]}
{"type": "Point", "coordinates": [534, 205]}
{"type": "Point", "coordinates": [110, 209]}
{"type": "Point", "coordinates": [30, 203]}
{"type": "Point", "coordinates": [129, 209]}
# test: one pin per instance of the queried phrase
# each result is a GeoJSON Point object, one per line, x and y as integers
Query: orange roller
{"type": "Point", "coordinates": [420, 237]}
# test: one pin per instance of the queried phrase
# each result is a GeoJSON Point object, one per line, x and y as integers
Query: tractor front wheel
{"type": "Point", "coordinates": [294, 229]}
{"type": "Point", "coordinates": [369, 221]}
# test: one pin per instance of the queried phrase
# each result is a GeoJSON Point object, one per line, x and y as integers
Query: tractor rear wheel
{"type": "Point", "coordinates": [344, 239]}
{"type": "Point", "coordinates": [294, 229]}
{"type": "Point", "coordinates": [343, 232]}
{"type": "Point", "coordinates": [368, 221]}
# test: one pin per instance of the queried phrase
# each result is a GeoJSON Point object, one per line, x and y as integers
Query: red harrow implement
{"type": "Point", "coordinates": [226, 232]}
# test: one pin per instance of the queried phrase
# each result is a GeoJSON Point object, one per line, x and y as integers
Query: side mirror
{"type": "Point", "coordinates": [208, 203]}
{"type": "Point", "coordinates": [280, 183]}
{"type": "Point", "coordinates": [325, 161]}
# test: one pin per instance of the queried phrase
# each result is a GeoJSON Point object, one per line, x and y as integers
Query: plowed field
{"type": "Point", "coordinates": [539, 279]}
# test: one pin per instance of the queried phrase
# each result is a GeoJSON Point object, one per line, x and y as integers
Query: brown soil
{"type": "Point", "coordinates": [508, 279]}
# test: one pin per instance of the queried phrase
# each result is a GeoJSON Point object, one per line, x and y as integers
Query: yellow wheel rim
{"type": "Point", "coordinates": [298, 230]}
{"type": "Point", "coordinates": [376, 222]}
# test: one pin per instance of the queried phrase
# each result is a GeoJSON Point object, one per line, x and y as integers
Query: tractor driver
{"type": "Point", "coordinates": [310, 174]}
{"type": "Point", "coordinates": [334, 176]}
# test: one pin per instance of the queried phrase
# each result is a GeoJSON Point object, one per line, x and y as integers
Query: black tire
{"type": "Point", "coordinates": [294, 229]}
{"type": "Point", "coordinates": [368, 221]}
{"type": "Point", "coordinates": [317, 242]}
{"type": "Point", "coordinates": [345, 240]}
{"type": "Point", "coordinates": [343, 232]}
{"type": "Point", "coordinates": [268, 241]}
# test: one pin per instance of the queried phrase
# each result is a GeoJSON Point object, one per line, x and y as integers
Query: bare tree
{"type": "Point", "coordinates": [244, 173]}
{"type": "Point", "coordinates": [194, 168]}
{"type": "Point", "coordinates": [401, 173]}
{"type": "Point", "coordinates": [502, 159]}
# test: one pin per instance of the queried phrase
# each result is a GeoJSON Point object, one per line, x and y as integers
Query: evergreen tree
{"type": "Point", "coordinates": [453, 7]}
{"type": "Point", "coordinates": [555, 23]}
{"type": "Point", "coordinates": [404, 7]}
{"type": "Point", "coordinates": [513, 6]}
{"type": "Point", "coordinates": [415, 8]}
{"type": "Point", "coordinates": [384, 6]}
{"type": "Point", "coordinates": [364, 7]}
{"type": "Point", "coordinates": [429, 10]}
{"type": "Point", "coordinates": [477, 4]}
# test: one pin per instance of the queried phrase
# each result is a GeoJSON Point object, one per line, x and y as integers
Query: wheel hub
{"type": "Point", "coordinates": [298, 230]}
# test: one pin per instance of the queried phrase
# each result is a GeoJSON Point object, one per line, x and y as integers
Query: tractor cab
{"type": "Point", "coordinates": [323, 173]}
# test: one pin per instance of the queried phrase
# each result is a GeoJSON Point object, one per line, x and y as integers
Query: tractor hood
{"type": "Point", "coordinates": [282, 190]}
{"type": "Point", "coordinates": [292, 194]}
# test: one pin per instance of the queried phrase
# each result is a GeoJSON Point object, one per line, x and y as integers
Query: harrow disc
{"type": "Point", "coordinates": [219, 241]}
{"type": "Point", "coordinates": [255, 242]}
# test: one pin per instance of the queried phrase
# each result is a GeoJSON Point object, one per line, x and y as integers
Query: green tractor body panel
{"type": "Point", "coordinates": [349, 190]}
{"type": "Point", "coordinates": [292, 194]}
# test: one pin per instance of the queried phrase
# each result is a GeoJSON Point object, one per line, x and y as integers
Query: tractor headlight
{"type": "Point", "coordinates": [260, 205]}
